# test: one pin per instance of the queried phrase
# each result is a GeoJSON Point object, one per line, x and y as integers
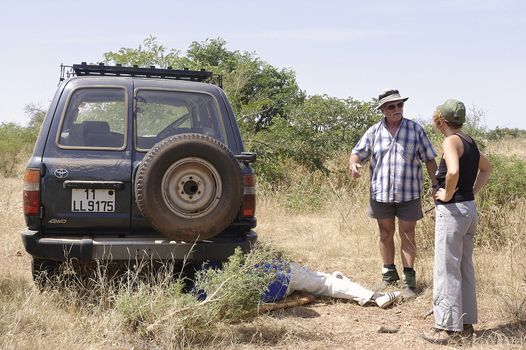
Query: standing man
{"type": "Point", "coordinates": [396, 146]}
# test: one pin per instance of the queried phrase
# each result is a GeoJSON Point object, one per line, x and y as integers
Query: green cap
{"type": "Point", "coordinates": [453, 111]}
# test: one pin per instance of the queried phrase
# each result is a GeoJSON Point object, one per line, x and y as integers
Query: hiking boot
{"type": "Point", "coordinates": [409, 287]}
{"type": "Point", "coordinates": [389, 278]}
{"type": "Point", "coordinates": [410, 279]}
{"type": "Point", "coordinates": [390, 275]}
{"type": "Point", "coordinates": [441, 336]}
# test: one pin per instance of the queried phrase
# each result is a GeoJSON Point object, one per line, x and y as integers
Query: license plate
{"type": "Point", "coordinates": [92, 200]}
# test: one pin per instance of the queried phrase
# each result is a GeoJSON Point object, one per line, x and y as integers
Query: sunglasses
{"type": "Point", "coordinates": [394, 105]}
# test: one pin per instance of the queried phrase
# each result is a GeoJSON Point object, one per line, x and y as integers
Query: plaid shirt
{"type": "Point", "coordinates": [396, 169]}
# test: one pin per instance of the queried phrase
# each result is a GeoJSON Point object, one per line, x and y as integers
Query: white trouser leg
{"type": "Point", "coordinates": [319, 283]}
{"type": "Point", "coordinates": [454, 294]}
{"type": "Point", "coordinates": [469, 290]}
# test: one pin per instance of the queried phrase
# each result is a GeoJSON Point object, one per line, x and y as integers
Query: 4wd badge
{"type": "Point", "coordinates": [57, 221]}
{"type": "Point", "coordinates": [61, 173]}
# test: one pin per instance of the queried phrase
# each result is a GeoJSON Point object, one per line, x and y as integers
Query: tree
{"type": "Point", "coordinates": [275, 116]}
{"type": "Point", "coordinates": [257, 91]}
{"type": "Point", "coordinates": [150, 53]}
{"type": "Point", "coordinates": [36, 115]}
{"type": "Point", "coordinates": [317, 130]}
{"type": "Point", "coordinates": [268, 93]}
{"type": "Point", "coordinates": [16, 143]}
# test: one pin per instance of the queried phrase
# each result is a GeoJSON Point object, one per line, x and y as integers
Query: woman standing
{"type": "Point", "coordinates": [462, 172]}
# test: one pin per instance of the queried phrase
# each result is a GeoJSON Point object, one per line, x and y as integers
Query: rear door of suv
{"type": "Point", "coordinates": [163, 108]}
{"type": "Point", "coordinates": [86, 187]}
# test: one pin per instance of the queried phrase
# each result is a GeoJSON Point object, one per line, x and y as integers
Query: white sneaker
{"type": "Point", "coordinates": [387, 299]}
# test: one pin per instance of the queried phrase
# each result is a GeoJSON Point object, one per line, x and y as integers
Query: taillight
{"type": "Point", "coordinates": [31, 191]}
{"type": "Point", "coordinates": [249, 197]}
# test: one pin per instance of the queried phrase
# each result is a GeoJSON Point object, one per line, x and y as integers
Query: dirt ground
{"type": "Point", "coordinates": [336, 324]}
{"type": "Point", "coordinates": [346, 240]}
{"type": "Point", "coordinates": [339, 324]}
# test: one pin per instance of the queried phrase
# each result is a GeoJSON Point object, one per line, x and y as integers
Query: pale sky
{"type": "Point", "coordinates": [474, 51]}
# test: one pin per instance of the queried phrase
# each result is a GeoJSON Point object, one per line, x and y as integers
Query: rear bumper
{"type": "Point", "coordinates": [85, 249]}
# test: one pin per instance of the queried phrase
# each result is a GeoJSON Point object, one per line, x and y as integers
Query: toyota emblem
{"type": "Point", "coordinates": [61, 173]}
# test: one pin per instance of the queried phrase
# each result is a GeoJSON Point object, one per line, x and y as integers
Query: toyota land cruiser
{"type": "Point", "coordinates": [137, 162]}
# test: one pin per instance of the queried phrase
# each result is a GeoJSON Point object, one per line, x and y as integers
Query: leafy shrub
{"type": "Point", "coordinates": [500, 133]}
{"type": "Point", "coordinates": [505, 187]}
{"type": "Point", "coordinates": [313, 132]}
{"type": "Point", "coordinates": [506, 184]}
{"type": "Point", "coordinates": [15, 142]}
{"type": "Point", "coordinates": [234, 290]}
{"type": "Point", "coordinates": [165, 314]}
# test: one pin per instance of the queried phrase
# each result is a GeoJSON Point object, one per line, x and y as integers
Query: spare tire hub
{"type": "Point", "coordinates": [191, 187]}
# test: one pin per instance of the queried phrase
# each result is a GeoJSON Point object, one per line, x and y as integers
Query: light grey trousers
{"type": "Point", "coordinates": [454, 291]}
{"type": "Point", "coordinates": [319, 283]}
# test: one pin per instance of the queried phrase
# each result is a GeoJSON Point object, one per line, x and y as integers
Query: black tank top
{"type": "Point", "coordinates": [468, 170]}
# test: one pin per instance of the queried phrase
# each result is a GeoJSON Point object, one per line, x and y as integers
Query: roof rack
{"type": "Point", "coordinates": [101, 69]}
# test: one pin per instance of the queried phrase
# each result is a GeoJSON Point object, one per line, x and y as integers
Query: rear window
{"type": "Point", "coordinates": [94, 118]}
{"type": "Point", "coordinates": [162, 113]}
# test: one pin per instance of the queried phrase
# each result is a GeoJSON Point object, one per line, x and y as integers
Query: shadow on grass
{"type": "Point", "coordinates": [297, 311]}
{"type": "Point", "coordinates": [268, 333]}
{"type": "Point", "coordinates": [513, 333]}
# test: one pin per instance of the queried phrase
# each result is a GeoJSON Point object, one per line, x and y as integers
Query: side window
{"type": "Point", "coordinates": [160, 114]}
{"type": "Point", "coordinates": [95, 117]}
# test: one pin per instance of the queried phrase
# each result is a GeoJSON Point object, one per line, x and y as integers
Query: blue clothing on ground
{"type": "Point", "coordinates": [277, 290]}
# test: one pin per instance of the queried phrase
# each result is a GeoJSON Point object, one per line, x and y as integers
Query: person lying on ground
{"type": "Point", "coordinates": [295, 277]}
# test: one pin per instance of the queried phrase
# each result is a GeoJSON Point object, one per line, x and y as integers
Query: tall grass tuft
{"type": "Point", "coordinates": [498, 201]}
{"type": "Point", "coordinates": [148, 302]}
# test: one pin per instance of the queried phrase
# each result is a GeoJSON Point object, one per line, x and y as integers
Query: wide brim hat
{"type": "Point", "coordinates": [389, 95]}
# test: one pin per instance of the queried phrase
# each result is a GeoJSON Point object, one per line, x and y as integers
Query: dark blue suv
{"type": "Point", "coordinates": [138, 163]}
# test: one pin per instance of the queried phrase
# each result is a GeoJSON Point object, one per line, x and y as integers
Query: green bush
{"type": "Point", "coordinates": [160, 311]}
{"type": "Point", "coordinates": [234, 290]}
{"type": "Point", "coordinates": [15, 141]}
{"type": "Point", "coordinates": [311, 134]}
{"type": "Point", "coordinates": [505, 188]}
{"type": "Point", "coordinates": [500, 133]}
{"type": "Point", "coordinates": [506, 184]}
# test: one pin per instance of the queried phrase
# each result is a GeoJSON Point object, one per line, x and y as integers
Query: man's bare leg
{"type": "Point", "coordinates": [406, 229]}
{"type": "Point", "coordinates": [387, 250]}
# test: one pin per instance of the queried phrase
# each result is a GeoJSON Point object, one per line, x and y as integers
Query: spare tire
{"type": "Point", "coordinates": [189, 187]}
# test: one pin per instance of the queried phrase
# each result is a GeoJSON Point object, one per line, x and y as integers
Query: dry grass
{"type": "Point", "coordinates": [509, 146]}
{"type": "Point", "coordinates": [338, 236]}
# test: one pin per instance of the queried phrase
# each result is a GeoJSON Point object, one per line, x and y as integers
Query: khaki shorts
{"type": "Point", "coordinates": [406, 211]}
